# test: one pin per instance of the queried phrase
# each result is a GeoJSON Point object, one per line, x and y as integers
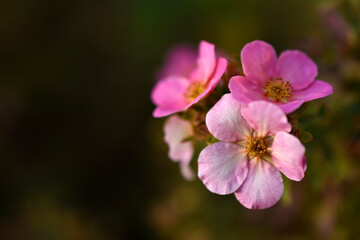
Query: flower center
{"type": "Point", "coordinates": [256, 147]}
{"type": "Point", "coordinates": [194, 90]}
{"type": "Point", "coordinates": [277, 90]}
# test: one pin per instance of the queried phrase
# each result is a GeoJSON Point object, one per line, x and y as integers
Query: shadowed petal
{"type": "Point", "coordinates": [222, 167]}
{"type": "Point", "coordinates": [176, 130]}
{"type": "Point", "coordinates": [244, 91]}
{"type": "Point", "coordinates": [297, 68]}
{"type": "Point", "coordinates": [258, 59]}
{"type": "Point", "coordinates": [317, 89]}
{"type": "Point", "coordinates": [304, 164]}
{"type": "Point", "coordinates": [265, 118]}
{"type": "Point", "coordinates": [290, 106]}
{"type": "Point", "coordinates": [225, 122]}
{"type": "Point", "coordinates": [262, 187]}
{"type": "Point", "coordinates": [288, 155]}
{"type": "Point", "coordinates": [186, 171]}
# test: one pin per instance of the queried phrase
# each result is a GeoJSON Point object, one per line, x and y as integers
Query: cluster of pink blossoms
{"type": "Point", "coordinates": [250, 140]}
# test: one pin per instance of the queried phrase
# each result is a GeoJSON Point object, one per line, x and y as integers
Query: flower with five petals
{"type": "Point", "coordinates": [287, 81]}
{"type": "Point", "coordinates": [255, 146]}
{"type": "Point", "coordinates": [176, 93]}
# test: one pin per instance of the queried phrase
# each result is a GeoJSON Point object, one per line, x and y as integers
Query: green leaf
{"type": "Point", "coordinates": [324, 111]}
{"type": "Point", "coordinates": [306, 137]}
{"type": "Point", "coordinates": [211, 140]}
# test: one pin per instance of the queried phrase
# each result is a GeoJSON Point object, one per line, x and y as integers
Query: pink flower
{"type": "Point", "coordinates": [180, 61]}
{"type": "Point", "coordinates": [255, 147]}
{"type": "Point", "coordinates": [176, 131]}
{"type": "Point", "coordinates": [177, 93]}
{"type": "Point", "coordinates": [287, 81]}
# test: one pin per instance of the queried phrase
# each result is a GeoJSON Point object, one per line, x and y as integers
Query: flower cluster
{"type": "Point", "coordinates": [250, 140]}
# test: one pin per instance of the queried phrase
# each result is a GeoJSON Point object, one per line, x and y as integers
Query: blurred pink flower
{"type": "Point", "coordinates": [179, 61]}
{"type": "Point", "coordinates": [176, 131]}
{"type": "Point", "coordinates": [287, 81]}
{"type": "Point", "coordinates": [177, 92]}
{"type": "Point", "coordinates": [336, 26]}
{"type": "Point", "coordinates": [255, 146]}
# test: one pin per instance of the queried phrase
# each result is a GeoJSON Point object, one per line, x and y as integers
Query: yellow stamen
{"type": "Point", "coordinates": [256, 147]}
{"type": "Point", "coordinates": [277, 90]}
{"type": "Point", "coordinates": [194, 90]}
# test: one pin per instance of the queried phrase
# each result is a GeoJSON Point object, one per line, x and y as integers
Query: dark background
{"type": "Point", "coordinates": [82, 158]}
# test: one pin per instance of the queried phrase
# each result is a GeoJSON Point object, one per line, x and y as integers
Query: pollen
{"type": "Point", "coordinates": [278, 90]}
{"type": "Point", "coordinates": [194, 90]}
{"type": "Point", "coordinates": [256, 147]}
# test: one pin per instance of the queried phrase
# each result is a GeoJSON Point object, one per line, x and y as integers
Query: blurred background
{"type": "Point", "coordinates": [82, 158]}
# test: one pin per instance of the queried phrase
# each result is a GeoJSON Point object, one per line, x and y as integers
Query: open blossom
{"type": "Point", "coordinates": [177, 92]}
{"type": "Point", "coordinates": [255, 147]}
{"type": "Point", "coordinates": [287, 81]}
{"type": "Point", "coordinates": [176, 131]}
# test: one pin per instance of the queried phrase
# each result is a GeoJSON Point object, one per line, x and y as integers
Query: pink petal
{"type": "Point", "coordinates": [297, 68]}
{"type": "Point", "coordinates": [219, 71]}
{"type": "Point", "coordinates": [222, 167]}
{"type": "Point", "coordinates": [259, 61]}
{"type": "Point", "coordinates": [244, 91]}
{"type": "Point", "coordinates": [161, 112]}
{"type": "Point", "coordinates": [225, 122]}
{"type": "Point", "coordinates": [180, 61]}
{"type": "Point", "coordinates": [288, 155]}
{"type": "Point", "coordinates": [176, 130]}
{"type": "Point", "coordinates": [265, 118]}
{"type": "Point", "coordinates": [290, 106]}
{"type": "Point", "coordinates": [168, 95]}
{"type": "Point", "coordinates": [262, 187]}
{"type": "Point", "coordinates": [205, 62]}
{"type": "Point", "coordinates": [317, 89]}
{"type": "Point", "coordinates": [187, 172]}
{"type": "Point", "coordinates": [221, 65]}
